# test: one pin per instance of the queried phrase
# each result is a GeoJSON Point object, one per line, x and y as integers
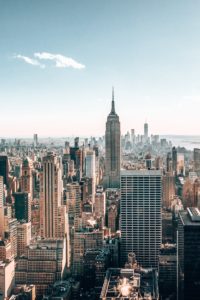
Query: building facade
{"type": "Point", "coordinates": [189, 253]}
{"type": "Point", "coordinates": [141, 229]}
{"type": "Point", "coordinates": [50, 196]}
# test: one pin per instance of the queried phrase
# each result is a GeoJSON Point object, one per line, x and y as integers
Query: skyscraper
{"type": "Point", "coordinates": [146, 134]}
{"type": "Point", "coordinates": [50, 195]}
{"type": "Point", "coordinates": [4, 168]}
{"type": "Point", "coordinates": [168, 189]}
{"type": "Point", "coordinates": [141, 229]}
{"type": "Point", "coordinates": [90, 170]}
{"type": "Point", "coordinates": [196, 160]}
{"type": "Point", "coordinates": [22, 206]}
{"type": "Point", "coordinates": [27, 177]}
{"type": "Point", "coordinates": [169, 167]}
{"type": "Point", "coordinates": [1, 208]}
{"type": "Point", "coordinates": [189, 252]}
{"type": "Point", "coordinates": [174, 160]}
{"type": "Point", "coordinates": [35, 139]}
{"type": "Point", "coordinates": [112, 148]}
{"type": "Point", "coordinates": [180, 164]}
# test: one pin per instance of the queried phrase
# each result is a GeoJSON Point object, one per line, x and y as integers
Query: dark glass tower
{"type": "Point", "coordinates": [189, 253]}
{"type": "Point", "coordinates": [4, 168]}
{"type": "Point", "coordinates": [22, 206]}
{"type": "Point", "coordinates": [113, 148]}
{"type": "Point", "coordinates": [174, 160]}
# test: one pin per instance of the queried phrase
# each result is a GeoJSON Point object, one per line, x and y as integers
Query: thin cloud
{"type": "Point", "coordinates": [30, 61]}
{"type": "Point", "coordinates": [60, 60]}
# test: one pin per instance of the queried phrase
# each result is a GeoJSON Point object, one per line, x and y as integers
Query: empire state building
{"type": "Point", "coordinates": [113, 149]}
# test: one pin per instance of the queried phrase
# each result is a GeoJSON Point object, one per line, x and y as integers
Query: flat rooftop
{"type": "Point", "coordinates": [191, 217]}
{"type": "Point", "coordinates": [140, 172]}
{"type": "Point", "coordinates": [130, 284]}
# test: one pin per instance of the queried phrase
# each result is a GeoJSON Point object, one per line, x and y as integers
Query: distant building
{"type": "Point", "coordinates": [169, 167]}
{"type": "Point", "coordinates": [90, 169]}
{"type": "Point", "coordinates": [146, 134]}
{"type": "Point", "coordinates": [35, 140]}
{"type": "Point", "coordinates": [180, 164]}
{"type": "Point", "coordinates": [196, 154]}
{"type": "Point", "coordinates": [174, 160]}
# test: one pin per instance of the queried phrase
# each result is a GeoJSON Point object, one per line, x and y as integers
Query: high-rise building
{"type": "Point", "coordinates": [169, 163]}
{"type": "Point", "coordinates": [167, 271]}
{"type": "Point", "coordinates": [1, 208]}
{"type": "Point", "coordinates": [35, 139]}
{"type": "Point", "coordinates": [22, 206]}
{"type": "Point", "coordinates": [112, 149]}
{"type": "Point", "coordinates": [4, 168]}
{"type": "Point", "coordinates": [79, 163]}
{"type": "Point", "coordinates": [90, 164]}
{"type": "Point", "coordinates": [11, 233]}
{"type": "Point", "coordinates": [83, 241]}
{"type": "Point", "coordinates": [90, 169]}
{"type": "Point", "coordinates": [189, 253]}
{"type": "Point", "coordinates": [174, 160]}
{"type": "Point", "coordinates": [100, 204]}
{"type": "Point", "coordinates": [112, 218]}
{"type": "Point", "coordinates": [196, 154]}
{"type": "Point", "coordinates": [180, 164]}
{"type": "Point", "coordinates": [146, 134]}
{"type": "Point", "coordinates": [141, 229]}
{"type": "Point", "coordinates": [5, 250]}
{"type": "Point", "coordinates": [168, 189]}
{"type": "Point", "coordinates": [23, 237]}
{"type": "Point", "coordinates": [27, 177]}
{"type": "Point", "coordinates": [133, 136]}
{"type": "Point", "coordinates": [50, 195]}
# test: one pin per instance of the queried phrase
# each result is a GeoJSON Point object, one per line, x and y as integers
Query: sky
{"type": "Point", "coordinates": [59, 60]}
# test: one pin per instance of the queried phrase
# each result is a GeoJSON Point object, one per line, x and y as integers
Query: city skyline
{"type": "Point", "coordinates": [59, 61]}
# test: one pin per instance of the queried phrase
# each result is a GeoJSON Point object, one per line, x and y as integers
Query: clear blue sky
{"type": "Point", "coordinates": [148, 50]}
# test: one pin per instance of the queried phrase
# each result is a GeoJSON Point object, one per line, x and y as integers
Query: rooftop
{"type": "Point", "coordinates": [140, 172]}
{"type": "Point", "coordinates": [191, 217]}
{"type": "Point", "coordinates": [130, 284]}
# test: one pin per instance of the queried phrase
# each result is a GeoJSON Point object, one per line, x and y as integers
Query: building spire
{"type": "Point", "coordinates": [113, 102]}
